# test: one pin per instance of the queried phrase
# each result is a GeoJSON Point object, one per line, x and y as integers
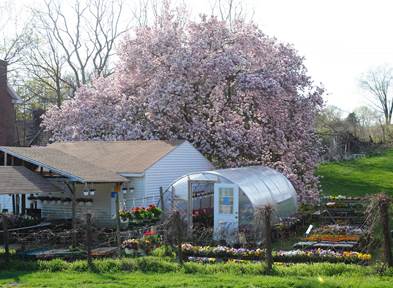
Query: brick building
{"type": "Point", "coordinates": [8, 98]}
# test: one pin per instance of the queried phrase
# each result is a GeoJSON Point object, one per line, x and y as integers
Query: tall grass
{"type": "Point", "coordinates": [164, 265]}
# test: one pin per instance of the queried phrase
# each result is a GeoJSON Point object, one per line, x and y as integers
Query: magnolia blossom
{"type": "Point", "coordinates": [239, 96]}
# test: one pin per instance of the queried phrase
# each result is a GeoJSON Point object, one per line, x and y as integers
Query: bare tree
{"type": "Point", "coordinates": [46, 66]}
{"type": "Point", "coordinates": [230, 10]}
{"type": "Point", "coordinates": [14, 35]}
{"type": "Point", "coordinates": [74, 43]}
{"type": "Point", "coordinates": [377, 83]}
{"type": "Point", "coordinates": [370, 123]}
{"type": "Point", "coordinates": [152, 12]}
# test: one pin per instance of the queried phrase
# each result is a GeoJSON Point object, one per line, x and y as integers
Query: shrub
{"type": "Point", "coordinates": [151, 264]}
{"type": "Point", "coordinates": [317, 269]}
{"type": "Point", "coordinates": [107, 265]}
{"type": "Point", "coordinates": [193, 268]}
{"type": "Point", "coordinates": [229, 268]}
{"type": "Point", "coordinates": [54, 265]}
{"type": "Point", "coordinates": [128, 265]}
{"type": "Point", "coordinates": [164, 251]}
{"type": "Point", "coordinates": [78, 266]}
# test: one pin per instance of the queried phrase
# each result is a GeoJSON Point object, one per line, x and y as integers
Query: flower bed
{"type": "Point", "coordinates": [338, 229]}
{"type": "Point", "coordinates": [204, 254]}
{"type": "Point", "coordinates": [222, 252]}
{"type": "Point", "coordinates": [143, 246]}
{"type": "Point", "coordinates": [333, 238]}
{"type": "Point", "coordinates": [322, 255]}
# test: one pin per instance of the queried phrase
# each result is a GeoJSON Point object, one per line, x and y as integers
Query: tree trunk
{"type": "Point", "coordinates": [268, 235]}
{"type": "Point", "coordinates": [386, 233]}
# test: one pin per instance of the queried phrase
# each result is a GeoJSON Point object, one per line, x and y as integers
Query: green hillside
{"type": "Point", "coordinates": [362, 176]}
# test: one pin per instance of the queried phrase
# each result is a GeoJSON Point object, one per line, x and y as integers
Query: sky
{"type": "Point", "coordinates": [340, 40]}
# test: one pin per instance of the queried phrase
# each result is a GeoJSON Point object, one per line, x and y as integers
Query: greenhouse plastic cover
{"type": "Point", "coordinates": [262, 186]}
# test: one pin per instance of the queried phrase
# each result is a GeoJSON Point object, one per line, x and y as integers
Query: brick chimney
{"type": "Point", "coordinates": [7, 110]}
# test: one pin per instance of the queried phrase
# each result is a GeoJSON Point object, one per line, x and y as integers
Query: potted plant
{"type": "Point", "coordinates": [66, 201]}
{"type": "Point", "coordinates": [44, 199]}
{"type": "Point", "coordinates": [131, 246]}
{"type": "Point", "coordinates": [84, 201]}
{"type": "Point", "coordinates": [125, 216]}
{"type": "Point", "coordinates": [55, 200]}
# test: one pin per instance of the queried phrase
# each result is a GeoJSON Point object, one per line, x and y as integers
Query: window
{"type": "Point", "coordinates": [225, 200]}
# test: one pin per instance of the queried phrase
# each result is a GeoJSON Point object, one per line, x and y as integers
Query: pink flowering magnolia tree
{"type": "Point", "coordinates": [239, 96]}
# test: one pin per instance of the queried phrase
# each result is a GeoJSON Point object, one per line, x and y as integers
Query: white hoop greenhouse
{"type": "Point", "coordinates": [231, 197]}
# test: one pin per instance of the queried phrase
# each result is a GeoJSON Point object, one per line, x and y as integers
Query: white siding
{"type": "Point", "coordinates": [100, 208]}
{"type": "Point", "coordinates": [136, 198]}
{"type": "Point", "coordinates": [182, 160]}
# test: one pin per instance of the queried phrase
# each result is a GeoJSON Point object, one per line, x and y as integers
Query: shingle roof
{"type": "Point", "coordinates": [119, 156]}
{"type": "Point", "coordinates": [97, 161]}
{"type": "Point", "coordinates": [18, 179]}
{"type": "Point", "coordinates": [64, 164]}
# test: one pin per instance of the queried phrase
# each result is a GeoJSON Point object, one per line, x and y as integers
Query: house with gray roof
{"type": "Point", "coordinates": [97, 174]}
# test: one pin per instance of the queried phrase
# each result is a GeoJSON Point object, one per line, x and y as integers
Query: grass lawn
{"type": "Point", "coordinates": [165, 272]}
{"type": "Point", "coordinates": [179, 279]}
{"type": "Point", "coordinates": [358, 177]}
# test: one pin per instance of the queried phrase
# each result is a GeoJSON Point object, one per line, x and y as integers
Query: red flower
{"type": "Point", "coordinates": [149, 233]}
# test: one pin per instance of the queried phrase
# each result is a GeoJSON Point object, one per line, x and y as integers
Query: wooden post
{"type": "Point", "coordinates": [17, 204]}
{"type": "Point", "coordinates": [73, 203]}
{"type": "Point", "coordinates": [13, 204]}
{"type": "Point", "coordinates": [173, 199]}
{"type": "Point", "coordinates": [162, 199]}
{"type": "Point", "coordinates": [23, 204]}
{"type": "Point", "coordinates": [5, 237]}
{"type": "Point", "coordinates": [189, 210]}
{"type": "Point", "coordinates": [384, 210]}
{"type": "Point", "coordinates": [179, 239]}
{"type": "Point", "coordinates": [268, 235]}
{"type": "Point", "coordinates": [118, 236]}
{"type": "Point", "coordinates": [5, 159]}
{"type": "Point", "coordinates": [88, 240]}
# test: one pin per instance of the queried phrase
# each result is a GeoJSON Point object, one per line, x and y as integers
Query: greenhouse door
{"type": "Point", "coordinates": [226, 211]}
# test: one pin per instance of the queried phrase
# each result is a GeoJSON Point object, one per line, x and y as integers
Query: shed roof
{"type": "Point", "coordinates": [18, 179]}
{"type": "Point", "coordinates": [119, 156]}
{"type": "Point", "coordinates": [64, 164]}
{"type": "Point", "coordinates": [96, 161]}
